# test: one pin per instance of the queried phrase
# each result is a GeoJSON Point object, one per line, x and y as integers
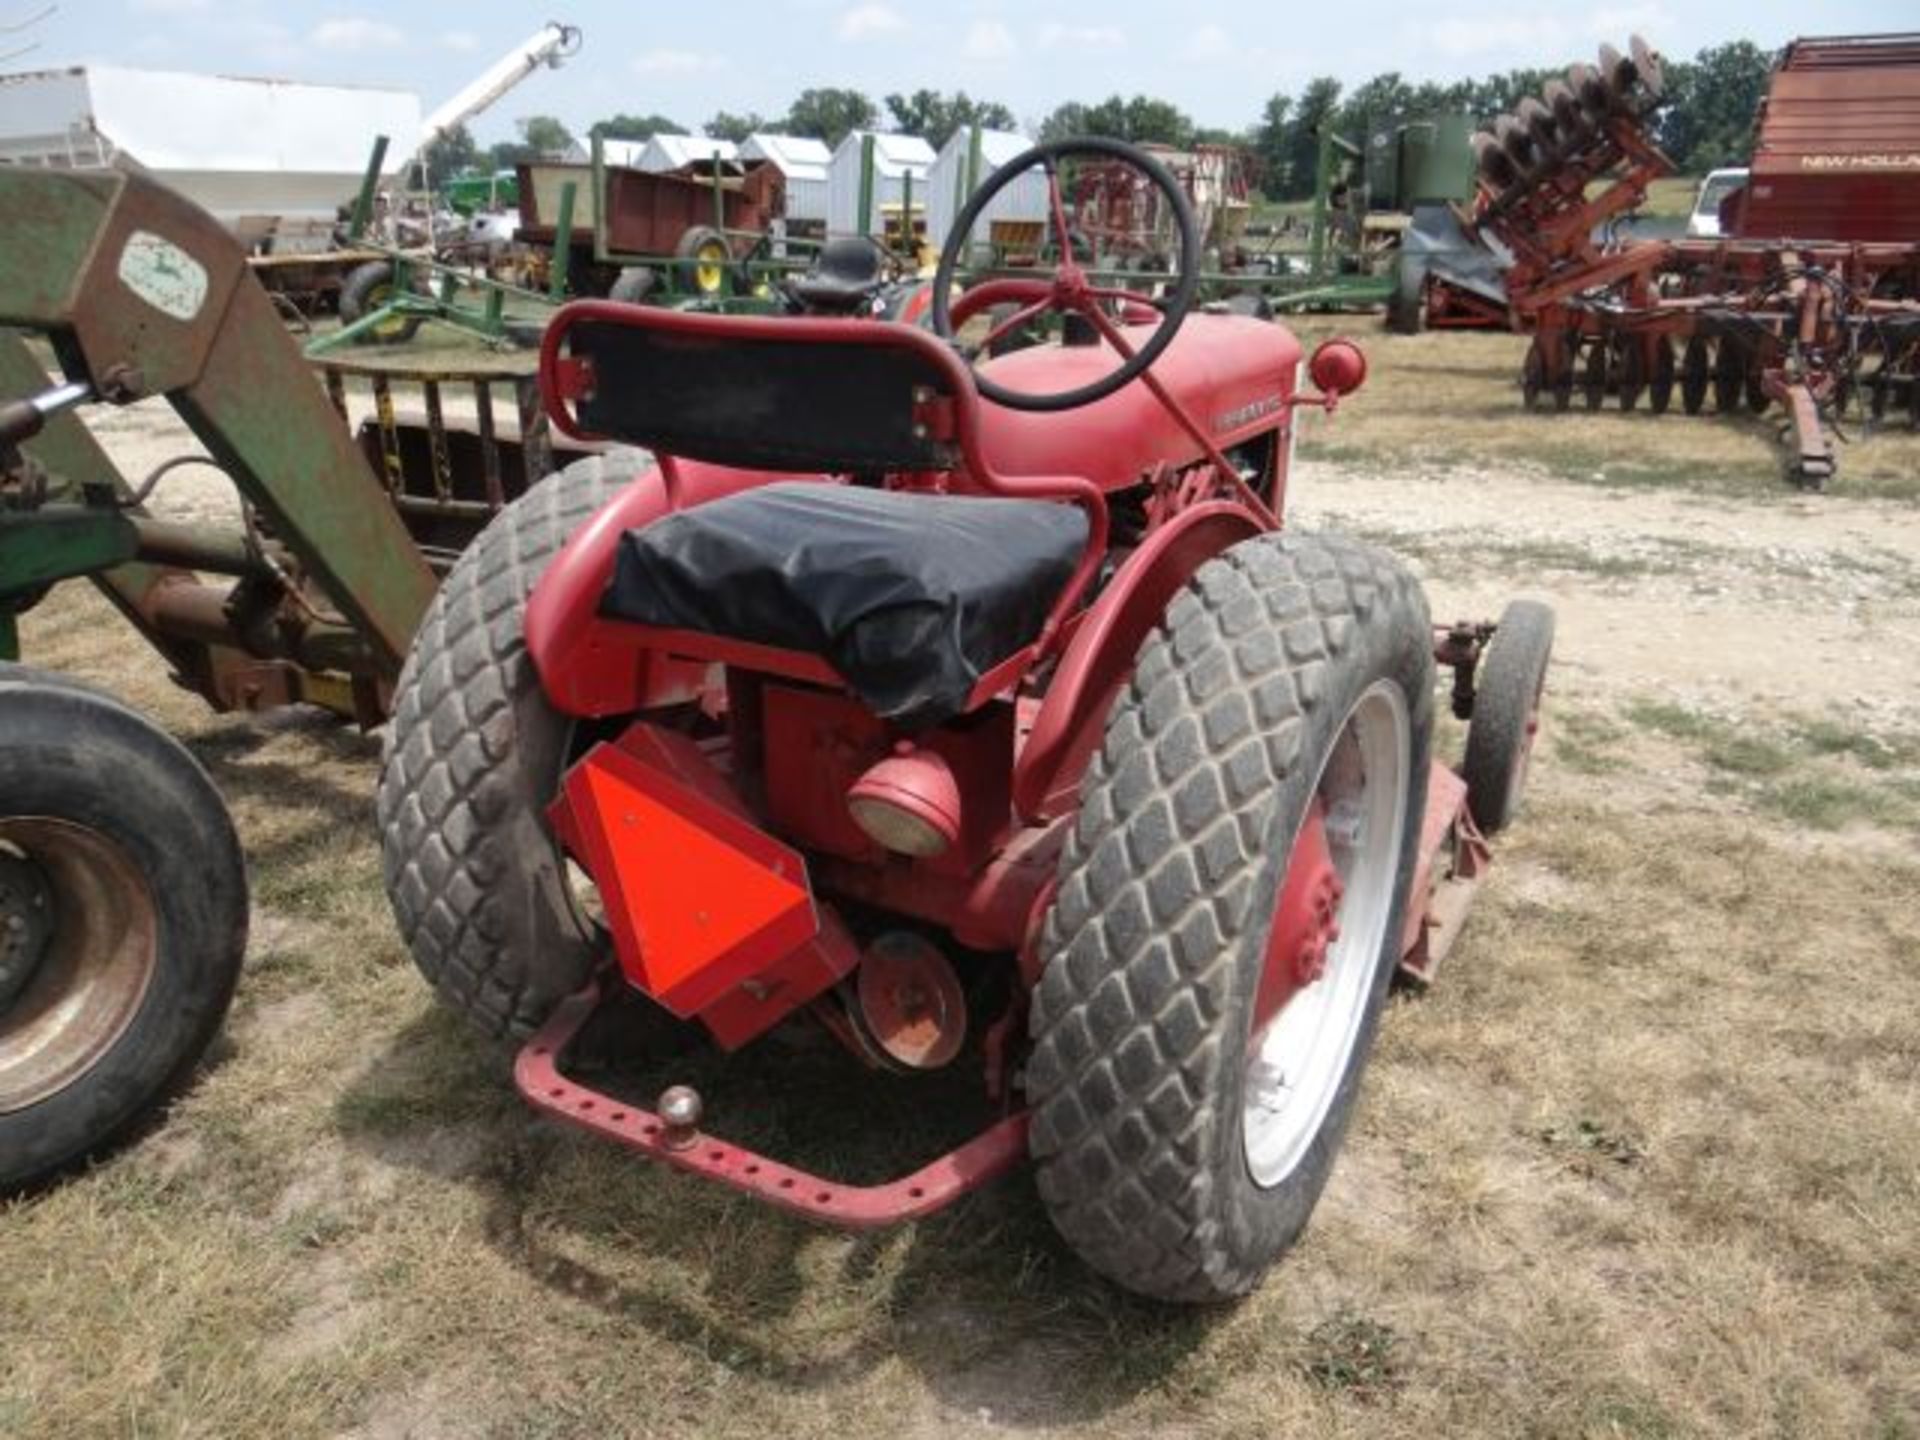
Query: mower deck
{"type": "Point", "coordinates": [982, 1160]}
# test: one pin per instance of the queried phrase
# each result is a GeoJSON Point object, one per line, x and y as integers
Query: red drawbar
{"type": "Point", "coordinates": [981, 1160]}
{"type": "Point", "coordinates": [698, 897]}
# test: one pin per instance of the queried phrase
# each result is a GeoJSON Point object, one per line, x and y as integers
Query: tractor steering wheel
{"type": "Point", "coordinates": [1069, 291]}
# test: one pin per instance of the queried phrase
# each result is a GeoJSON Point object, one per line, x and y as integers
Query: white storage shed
{"type": "Point", "coordinates": [238, 148]}
{"type": "Point", "coordinates": [949, 185]}
{"type": "Point", "coordinates": [897, 160]}
{"type": "Point", "coordinates": [624, 153]}
{"type": "Point", "coordinates": [674, 152]}
{"type": "Point", "coordinates": [804, 161]}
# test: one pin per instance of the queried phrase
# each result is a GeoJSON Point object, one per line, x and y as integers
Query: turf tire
{"type": "Point", "coordinates": [1155, 943]}
{"type": "Point", "coordinates": [470, 762]}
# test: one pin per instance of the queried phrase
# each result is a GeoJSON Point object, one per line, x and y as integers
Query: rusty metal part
{"type": "Point", "coordinates": [447, 465]}
{"type": "Point", "coordinates": [1459, 646]}
{"type": "Point", "coordinates": [93, 969]}
{"type": "Point", "coordinates": [910, 1000]}
{"type": "Point", "coordinates": [149, 295]}
{"type": "Point", "coordinates": [1758, 320]}
{"type": "Point", "coordinates": [195, 547]}
{"type": "Point", "coordinates": [978, 1162]}
{"type": "Point", "coordinates": [1454, 857]}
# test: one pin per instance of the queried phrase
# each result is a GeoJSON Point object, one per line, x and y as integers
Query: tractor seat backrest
{"type": "Point", "coordinates": [800, 395]}
{"type": "Point", "coordinates": [844, 276]}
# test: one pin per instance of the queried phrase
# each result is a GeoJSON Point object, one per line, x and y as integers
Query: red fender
{"type": "Point", "coordinates": [589, 666]}
{"type": "Point", "coordinates": [1101, 653]}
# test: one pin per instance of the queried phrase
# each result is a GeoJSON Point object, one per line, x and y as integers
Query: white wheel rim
{"type": "Point", "coordinates": [1295, 1064]}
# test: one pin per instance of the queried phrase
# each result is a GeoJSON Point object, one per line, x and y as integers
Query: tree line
{"type": "Point", "coordinates": [1707, 121]}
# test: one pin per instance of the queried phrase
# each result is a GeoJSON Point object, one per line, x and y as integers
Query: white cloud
{"type": "Point", "coordinates": [664, 62]}
{"type": "Point", "coordinates": [1460, 37]}
{"type": "Point", "coordinates": [1619, 22]}
{"type": "Point", "coordinates": [863, 22]}
{"type": "Point", "coordinates": [169, 7]}
{"type": "Point", "coordinates": [1209, 42]}
{"type": "Point", "coordinates": [988, 40]}
{"type": "Point", "coordinates": [460, 40]}
{"type": "Point", "coordinates": [356, 32]}
{"type": "Point", "coordinates": [1054, 35]}
{"type": "Point", "coordinates": [268, 43]}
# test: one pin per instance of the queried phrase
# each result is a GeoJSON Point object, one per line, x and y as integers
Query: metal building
{"type": "Point", "coordinates": [958, 171]}
{"type": "Point", "coordinates": [238, 148]}
{"type": "Point", "coordinates": [898, 160]}
{"type": "Point", "coordinates": [675, 152]}
{"type": "Point", "coordinates": [804, 162]}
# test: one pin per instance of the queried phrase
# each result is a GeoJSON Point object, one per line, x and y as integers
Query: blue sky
{"type": "Point", "coordinates": [1216, 59]}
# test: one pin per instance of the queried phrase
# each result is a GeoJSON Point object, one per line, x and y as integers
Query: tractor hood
{"type": "Point", "coordinates": [1231, 372]}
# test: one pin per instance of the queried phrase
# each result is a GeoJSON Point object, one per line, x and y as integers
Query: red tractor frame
{"type": "Point", "coordinates": [897, 667]}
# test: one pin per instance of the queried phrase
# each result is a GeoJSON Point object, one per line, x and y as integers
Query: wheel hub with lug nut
{"type": "Point", "coordinates": [1328, 934]}
{"type": "Point", "coordinates": [26, 924]}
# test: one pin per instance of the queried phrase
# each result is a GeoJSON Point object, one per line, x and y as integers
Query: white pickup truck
{"type": "Point", "coordinates": [1704, 220]}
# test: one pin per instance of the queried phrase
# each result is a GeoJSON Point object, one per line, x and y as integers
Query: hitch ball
{"type": "Point", "coordinates": [680, 1111]}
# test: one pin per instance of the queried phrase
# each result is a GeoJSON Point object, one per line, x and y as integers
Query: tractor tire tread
{"type": "Point", "coordinates": [69, 747]}
{"type": "Point", "coordinates": [1155, 894]}
{"type": "Point", "coordinates": [474, 881]}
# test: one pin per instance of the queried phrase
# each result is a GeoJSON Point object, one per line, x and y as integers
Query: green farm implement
{"type": "Point", "coordinates": [122, 892]}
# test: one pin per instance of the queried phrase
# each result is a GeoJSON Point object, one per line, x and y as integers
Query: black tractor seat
{"type": "Point", "coordinates": [844, 277]}
{"type": "Point", "coordinates": [910, 597]}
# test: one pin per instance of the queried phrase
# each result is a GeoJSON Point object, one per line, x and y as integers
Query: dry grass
{"type": "Point", "coordinates": [1445, 401]}
{"type": "Point", "coordinates": [1643, 1164]}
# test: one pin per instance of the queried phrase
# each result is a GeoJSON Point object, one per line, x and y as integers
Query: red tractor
{"type": "Point", "coordinates": [898, 671]}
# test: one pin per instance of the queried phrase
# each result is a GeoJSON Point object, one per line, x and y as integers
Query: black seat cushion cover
{"type": "Point", "coordinates": [910, 597]}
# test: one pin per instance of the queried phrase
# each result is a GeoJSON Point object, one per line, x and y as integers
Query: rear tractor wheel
{"type": "Point", "coordinates": [705, 268]}
{"type": "Point", "coordinates": [1506, 713]}
{"type": "Point", "coordinates": [484, 899]}
{"type": "Point", "coordinates": [1229, 915]}
{"type": "Point", "coordinates": [123, 920]}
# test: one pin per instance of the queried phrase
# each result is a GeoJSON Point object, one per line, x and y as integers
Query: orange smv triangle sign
{"type": "Point", "coordinates": [699, 898]}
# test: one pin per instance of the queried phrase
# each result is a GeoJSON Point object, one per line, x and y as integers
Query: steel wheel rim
{"type": "Point", "coordinates": [98, 966]}
{"type": "Point", "coordinates": [709, 269]}
{"type": "Point", "coordinates": [378, 298]}
{"type": "Point", "coordinates": [1296, 1063]}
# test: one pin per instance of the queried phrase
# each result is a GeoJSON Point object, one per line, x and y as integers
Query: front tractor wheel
{"type": "Point", "coordinates": [471, 761]}
{"type": "Point", "coordinates": [123, 920]}
{"type": "Point", "coordinates": [1506, 713]}
{"type": "Point", "coordinates": [1229, 915]}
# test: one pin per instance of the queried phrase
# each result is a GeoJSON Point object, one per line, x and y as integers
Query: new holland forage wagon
{"type": "Point", "coordinates": [894, 668]}
{"type": "Point", "coordinates": [980, 710]}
